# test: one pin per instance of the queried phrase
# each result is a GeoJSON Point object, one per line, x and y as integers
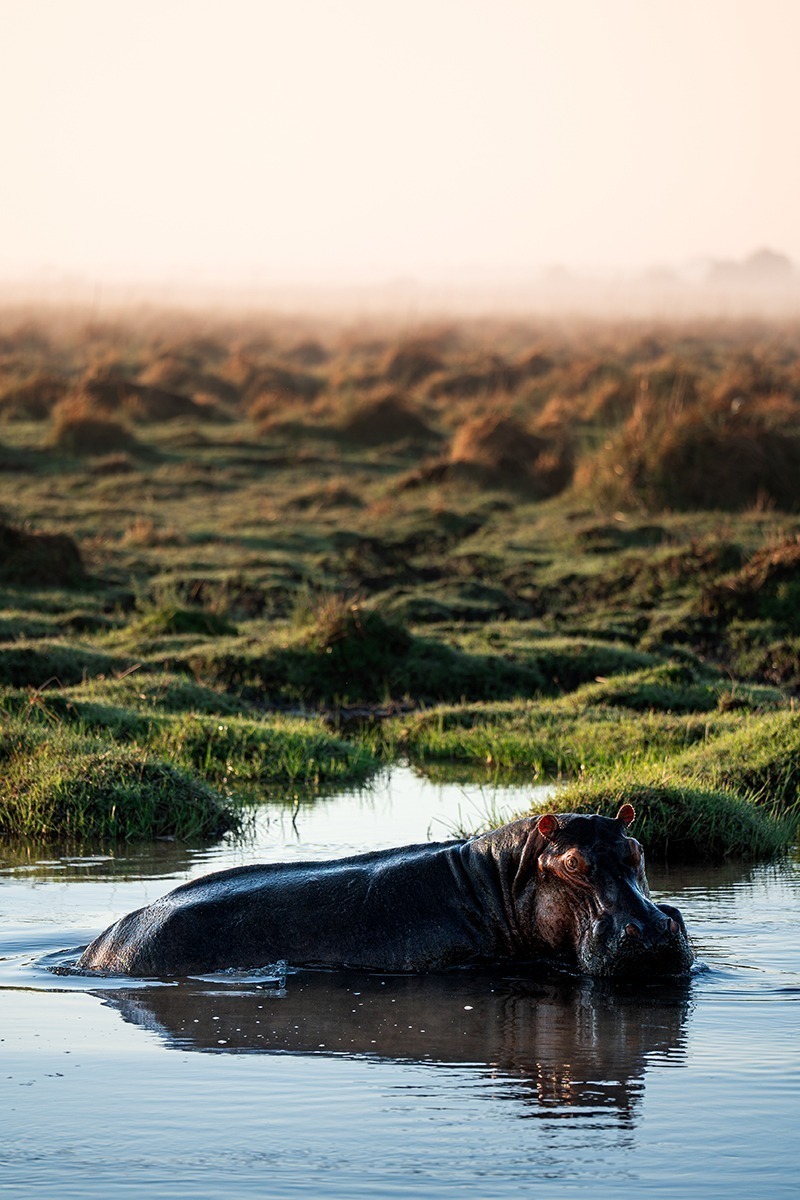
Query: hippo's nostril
{"type": "Point", "coordinates": [603, 927]}
{"type": "Point", "coordinates": [632, 931]}
{"type": "Point", "coordinates": [673, 925]}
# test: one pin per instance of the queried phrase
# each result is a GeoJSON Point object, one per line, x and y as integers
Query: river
{"type": "Point", "coordinates": [338, 1084]}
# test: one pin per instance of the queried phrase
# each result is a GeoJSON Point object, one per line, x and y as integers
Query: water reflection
{"type": "Point", "coordinates": [145, 860]}
{"type": "Point", "coordinates": [562, 1043]}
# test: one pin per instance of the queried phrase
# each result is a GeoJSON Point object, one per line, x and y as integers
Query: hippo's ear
{"type": "Point", "coordinates": [547, 826]}
{"type": "Point", "coordinates": [627, 814]}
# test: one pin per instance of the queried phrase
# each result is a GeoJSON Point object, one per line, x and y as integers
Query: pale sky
{"type": "Point", "coordinates": [380, 138]}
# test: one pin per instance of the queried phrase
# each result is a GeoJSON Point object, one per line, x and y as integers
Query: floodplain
{"type": "Point", "coordinates": [269, 555]}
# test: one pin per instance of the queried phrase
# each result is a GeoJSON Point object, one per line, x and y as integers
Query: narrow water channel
{"type": "Point", "coordinates": [339, 1084]}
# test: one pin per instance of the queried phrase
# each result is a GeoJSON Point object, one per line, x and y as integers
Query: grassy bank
{"type": "Point", "coordinates": [713, 773]}
{"type": "Point", "coordinates": [77, 766]}
{"type": "Point", "coordinates": [77, 788]}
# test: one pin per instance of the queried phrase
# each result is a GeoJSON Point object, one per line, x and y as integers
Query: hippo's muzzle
{"type": "Point", "coordinates": [653, 942]}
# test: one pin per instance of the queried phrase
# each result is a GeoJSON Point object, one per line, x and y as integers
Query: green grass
{"type": "Point", "coordinates": [544, 740]}
{"type": "Point", "coordinates": [281, 752]}
{"type": "Point", "coordinates": [760, 757]}
{"type": "Point", "coordinates": [64, 787]}
{"type": "Point", "coordinates": [172, 619]}
{"type": "Point", "coordinates": [228, 750]}
{"type": "Point", "coordinates": [625, 719]}
{"type": "Point", "coordinates": [682, 821]}
{"type": "Point", "coordinates": [710, 783]}
{"type": "Point", "coordinates": [369, 661]}
{"type": "Point", "coordinates": [33, 663]}
{"type": "Point", "coordinates": [734, 794]}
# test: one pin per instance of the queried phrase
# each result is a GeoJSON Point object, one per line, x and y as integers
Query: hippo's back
{"type": "Point", "coordinates": [409, 909]}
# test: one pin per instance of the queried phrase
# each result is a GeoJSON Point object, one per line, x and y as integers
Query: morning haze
{"type": "Point", "coordinates": [450, 143]}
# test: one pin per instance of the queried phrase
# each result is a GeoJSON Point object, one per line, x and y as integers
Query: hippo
{"type": "Point", "coordinates": [566, 888]}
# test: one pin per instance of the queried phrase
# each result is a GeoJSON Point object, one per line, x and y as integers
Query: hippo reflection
{"type": "Point", "coordinates": [567, 888]}
{"type": "Point", "coordinates": [565, 1042]}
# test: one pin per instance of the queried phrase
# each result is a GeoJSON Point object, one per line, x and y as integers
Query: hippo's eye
{"type": "Point", "coordinates": [572, 862]}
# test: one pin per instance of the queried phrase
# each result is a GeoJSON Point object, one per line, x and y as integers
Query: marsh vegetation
{"type": "Point", "coordinates": [272, 555]}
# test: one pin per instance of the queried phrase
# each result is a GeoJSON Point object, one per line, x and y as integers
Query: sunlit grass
{"type": "Point", "coordinates": [72, 787]}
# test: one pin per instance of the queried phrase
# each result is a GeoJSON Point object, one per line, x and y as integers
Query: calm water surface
{"type": "Point", "coordinates": [341, 1084]}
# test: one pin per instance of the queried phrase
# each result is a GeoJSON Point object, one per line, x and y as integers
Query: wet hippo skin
{"type": "Point", "coordinates": [568, 888]}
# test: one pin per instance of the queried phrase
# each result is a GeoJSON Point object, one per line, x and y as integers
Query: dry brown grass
{"type": "Point", "coordinates": [610, 402]}
{"type": "Point", "coordinates": [278, 419]}
{"type": "Point", "coordinates": [674, 415]}
{"type": "Point", "coordinates": [35, 399]}
{"type": "Point", "coordinates": [504, 451]}
{"type": "Point", "coordinates": [80, 428]}
{"type": "Point", "coordinates": [113, 395]}
{"type": "Point", "coordinates": [334, 494]}
{"type": "Point", "coordinates": [410, 363]}
{"type": "Point", "coordinates": [484, 376]}
{"type": "Point", "coordinates": [534, 364]}
{"type": "Point", "coordinates": [385, 417]}
{"type": "Point", "coordinates": [170, 376]}
{"type": "Point", "coordinates": [683, 457]}
{"type": "Point", "coordinates": [309, 352]}
{"type": "Point", "coordinates": [279, 383]}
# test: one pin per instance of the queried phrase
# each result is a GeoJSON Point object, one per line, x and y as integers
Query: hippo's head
{"type": "Point", "coordinates": [592, 901]}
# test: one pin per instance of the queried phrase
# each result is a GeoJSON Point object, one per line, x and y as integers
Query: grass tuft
{"type": "Point", "coordinates": [683, 822]}
{"type": "Point", "coordinates": [51, 793]}
{"type": "Point", "coordinates": [39, 559]}
{"type": "Point", "coordinates": [78, 428]}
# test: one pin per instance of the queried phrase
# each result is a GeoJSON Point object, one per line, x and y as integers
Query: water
{"type": "Point", "coordinates": [341, 1084]}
